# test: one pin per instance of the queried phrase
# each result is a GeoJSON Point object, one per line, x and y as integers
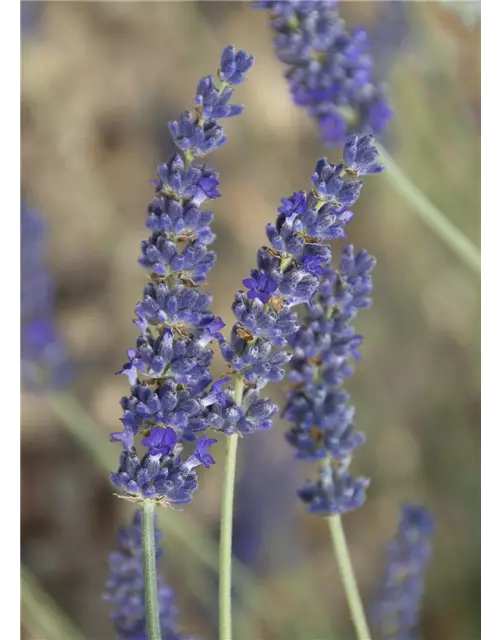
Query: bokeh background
{"type": "Point", "coordinates": [100, 81]}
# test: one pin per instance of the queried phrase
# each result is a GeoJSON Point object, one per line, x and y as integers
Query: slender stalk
{"type": "Point", "coordinates": [430, 214]}
{"type": "Point", "coordinates": [183, 528]}
{"type": "Point", "coordinates": [348, 578]}
{"type": "Point", "coordinates": [149, 569]}
{"type": "Point", "coordinates": [226, 527]}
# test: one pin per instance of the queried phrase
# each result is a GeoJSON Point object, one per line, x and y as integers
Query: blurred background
{"type": "Point", "coordinates": [100, 81]}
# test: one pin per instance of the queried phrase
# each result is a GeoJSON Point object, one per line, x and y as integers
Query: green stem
{"type": "Point", "coordinates": [188, 159]}
{"type": "Point", "coordinates": [348, 578]}
{"type": "Point", "coordinates": [149, 570]}
{"type": "Point", "coordinates": [226, 526]}
{"type": "Point", "coordinates": [430, 214]}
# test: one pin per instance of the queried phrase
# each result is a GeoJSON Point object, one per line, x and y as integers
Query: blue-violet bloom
{"type": "Point", "coordinates": [330, 69]}
{"type": "Point", "coordinates": [317, 407]}
{"type": "Point", "coordinates": [289, 272]}
{"type": "Point", "coordinates": [169, 368]}
{"type": "Point", "coordinates": [397, 608]}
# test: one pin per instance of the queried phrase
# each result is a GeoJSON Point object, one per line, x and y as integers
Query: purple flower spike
{"type": "Point", "coordinates": [290, 272]}
{"type": "Point", "coordinates": [397, 609]}
{"type": "Point", "coordinates": [323, 425]}
{"type": "Point", "coordinates": [171, 392]}
{"type": "Point", "coordinates": [329, 68]}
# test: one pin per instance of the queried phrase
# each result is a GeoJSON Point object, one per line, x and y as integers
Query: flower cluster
{"type": "Point", "coordinates": [318, 408]}
{"type": "Point", "coordinates": [44, 362]}
{"type": "Point", "coordinates": [288, 273]}
{"type": "Point", "coordinates": [330, 70]}
{"type": "Point", "coordinates": [397, 609]}
{"type": "Point", "coordinates": [323, 348]}
{"type": "Point", "coordinates": [169, 367]}
{"type": "Point", "coordinates": [125, 588]}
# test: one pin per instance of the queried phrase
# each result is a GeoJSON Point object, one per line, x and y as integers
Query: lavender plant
{"type": "Point", "coordinates": [396, 612]}
{"type": "Point", "coordinates": [44, 361]}
{"type": "Point", "coordinates": [288, 274]}
{"type": "Point", "coordinates": [330, 70]}
{"type": "Point", "coordinates": [322, 421]}
{"type": "Point", "coordinates": [173, 400]}
{"type": "Point", "coordinates": [331, 73]}
{"type": "Point", "coordinates": [317, 407]}
{"type": "Point", "coordinates": [168, 370]}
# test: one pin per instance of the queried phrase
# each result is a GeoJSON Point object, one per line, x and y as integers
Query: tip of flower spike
{"type": "Point", "coordinates": [234, 65]}
{"type": "Point", "coordinates": [360, 155]}
{"type": "Point", "coordinates": [200, 133]}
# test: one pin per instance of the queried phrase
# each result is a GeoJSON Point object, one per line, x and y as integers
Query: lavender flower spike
{"type": "Point", "coordinates": [125, 588]}
{"type": "Point", "coordinates": [288, 273]}
{"type": "Point", "coordinates": [44, 361]}
{"type": "Point", "coordinates": [330, 71]}
{"type": "Point", "coordinates": [397, 609]}
{"type": "Point", "coordinates": [169, 368]}
{"type": "Point", "coordinates": [318, 409]}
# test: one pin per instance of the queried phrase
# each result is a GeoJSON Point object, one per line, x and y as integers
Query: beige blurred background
{"type": "Point", "coordinates": [100, 81]}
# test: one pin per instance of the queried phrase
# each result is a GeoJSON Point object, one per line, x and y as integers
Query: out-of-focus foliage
{"type": "Point", "coordinates": [469, 12]}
